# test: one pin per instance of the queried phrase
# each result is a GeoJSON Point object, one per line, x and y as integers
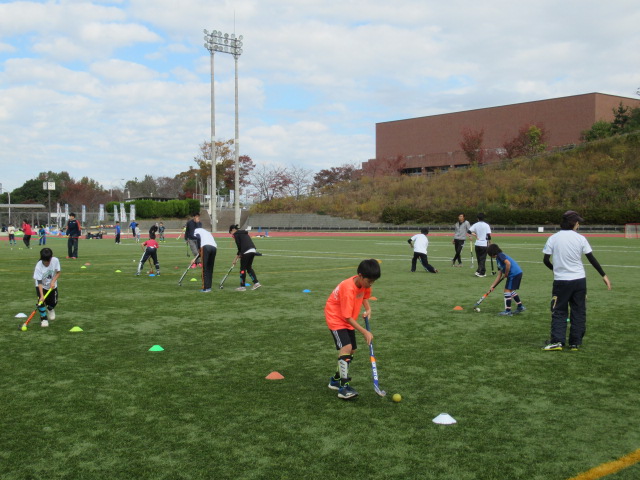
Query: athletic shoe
{"type": "Point", "coordinates": [51, 314]}
{"type": "Point", "coordinates": [44, 323]}
{"type": "Point", "coordinates": [552, 347]}
{"type": "Point", "coordinates": [574, 348]}
{"type": "Point", "coordinates": [205, 290]}
{"type": "Point", "coordinates": [241, 289]}
{"type": "Point", "coordinates": [506, 313]}
{"type": "Point", "coordinates": [346, 392]}
{"type": "Point", "coordinates": [137, 274]}
{"type": "Point", "coordinates": [256, 286]}
{"type": "Point", "coordinates": [334, 384]}
{"type": "Point", "coordinates": [480, 275]}
{"type": "Point", "coordinates": [520, 309]}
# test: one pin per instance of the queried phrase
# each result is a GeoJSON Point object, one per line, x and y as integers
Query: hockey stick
{"type": "Point", "coordinates": [471, 251]}
{"type": "Point", "coordinates": [225, 277]}
{"type": "Point", "coordinates": [493, 269]}
{"type": "Point", "coordinates": [24, 325]}
{"type": "Point", "coordinates": [185, 272]}
{"type": "Point", "coordinates": [374, 368]}
{"type": "Point", "coordinates": [486, 294]}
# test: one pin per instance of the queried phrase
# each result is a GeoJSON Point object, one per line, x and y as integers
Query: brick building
{"type": "Point", "coordinates": [433, 142]}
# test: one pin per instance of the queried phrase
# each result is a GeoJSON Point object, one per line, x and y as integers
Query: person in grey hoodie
{"type": "Point", "coordinates": [460, 234]}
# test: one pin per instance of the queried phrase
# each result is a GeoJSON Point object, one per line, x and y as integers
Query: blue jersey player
{"type": "Point", "coordinates": [509, 269]}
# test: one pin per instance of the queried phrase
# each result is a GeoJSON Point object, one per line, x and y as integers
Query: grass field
{"type": "Point", "coordinates": [100, 405]}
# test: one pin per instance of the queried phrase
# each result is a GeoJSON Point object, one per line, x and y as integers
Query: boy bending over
{"type": "Point", "coordinates": [341, 313]}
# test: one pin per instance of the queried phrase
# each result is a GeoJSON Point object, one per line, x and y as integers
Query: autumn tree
{"type": "Point", "coordinates": [391, 166]}
{"type": "Point", "coordinates": [530, 140]}
{"type": "Point", "coordinates": [270, 182]}
{"type": "Point", "coordinates": [471, 145]}
{"type": "Point", "coordinates": [300, 181]}
{"type": "Point", "coordinates": [85, 192]}
{"type": "Point", "coordinates": [331, 176]}
{"type": "Point", "coordinates": [225, 166]}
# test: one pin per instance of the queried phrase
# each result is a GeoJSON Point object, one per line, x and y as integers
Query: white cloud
{"type": "Point", "coordinates": [122, 89]}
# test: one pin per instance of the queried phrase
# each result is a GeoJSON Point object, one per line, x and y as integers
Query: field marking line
{"type": "Point", "coordinates": [610, 467]}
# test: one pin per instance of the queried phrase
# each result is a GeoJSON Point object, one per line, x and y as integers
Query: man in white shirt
{"type": "Point", "coordinates": [420, 243]}
{"type": "Point", "coordinates": [208, 248]}
{"type": "Point", "coordinates": [482, 231]}
{"type": "Point", "coordinates": [569, 293]}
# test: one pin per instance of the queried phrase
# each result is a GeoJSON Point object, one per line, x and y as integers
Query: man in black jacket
{"type": "Point", "coordinates": [189, 236]}
{"type": "Point", "coordinates": [74, 231]}
{"type": "Point", "coordinates": [246, 252]}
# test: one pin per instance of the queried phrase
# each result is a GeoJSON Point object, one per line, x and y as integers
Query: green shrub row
{"type": "Point", "coordinates": [155, 209]}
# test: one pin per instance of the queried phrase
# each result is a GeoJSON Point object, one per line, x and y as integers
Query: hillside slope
{"type": "Point", "coordinates": [601, 179]}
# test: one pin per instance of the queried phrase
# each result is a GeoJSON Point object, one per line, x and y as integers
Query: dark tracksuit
{"type": "Point", "coordinates": [74, 232]}
{"type": "Point", "coordinates": [151, 250]}
{"type": "Point", "coordinates": [244, 243]}
{"type": "Point", "coordinates": [189, 236]}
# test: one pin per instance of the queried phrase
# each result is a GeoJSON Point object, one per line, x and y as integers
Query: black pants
{"type": "Point", "coordinates": [246, 266]}
{"type": "Point", "coordinates": [423, 260]}
{"type": "Point", "coordinates": [72, 247]}
{"type": "Point", "coordinates": [117, 238]}
{"type": "Point", "coordinates": [481, 255]}
{"type": "Point", "coordinates": [149, 252]}
{"type": "Point", "coordinates": [49, 303]}
{"type": "Point", "coordinates": [27, 240]}
{"type": "Point", "coordinates": [458, 245]}
{"type": "Point", "coordinates": [569, 300]}
{"type": "Point", "coordinates": [208, 259]}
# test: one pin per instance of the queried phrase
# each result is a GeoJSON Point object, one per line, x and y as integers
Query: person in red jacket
{"type": "Point", "coordinates": [150, 251]}
{"type": "Point", "coordinates": [27, 232]}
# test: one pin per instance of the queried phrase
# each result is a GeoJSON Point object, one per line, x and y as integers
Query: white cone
{"type": "Point", "coordinates": [20, 315]}
{"type": "Point", "coordinates": [444, 419]}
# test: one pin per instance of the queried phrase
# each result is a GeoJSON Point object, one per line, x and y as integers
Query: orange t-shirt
{"type": "Point", "coordinates": [345, 302]}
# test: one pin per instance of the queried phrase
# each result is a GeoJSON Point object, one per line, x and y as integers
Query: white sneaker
{"type": "Point", "coordinates": [44, 323]}
{"type": "Point", "coordinates": [241, 289]}
{"type": "Point", "coordinates": [256, 285]}
{"type": "Point", "coordinates": [51, 314]}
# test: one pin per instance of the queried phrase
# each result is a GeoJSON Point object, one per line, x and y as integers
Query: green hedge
{"type": "Point", "coordinates": [155, 209]}
{"type": "Point", "coordinates": [505, 216]}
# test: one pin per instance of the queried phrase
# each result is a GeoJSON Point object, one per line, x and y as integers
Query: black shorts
{"type": "Point", "coordinates": [344, 337]}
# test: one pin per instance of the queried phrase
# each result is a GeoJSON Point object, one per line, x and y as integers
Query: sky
{"type": "Point", "coordinates": [119, 89]}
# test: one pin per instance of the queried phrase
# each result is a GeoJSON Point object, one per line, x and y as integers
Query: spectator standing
{"type": "Point", "coordinates": [189, 234]}
{"type": "Point", "coordinates": [482, 231]}
{"type": "Point", "coordinates": [569, 292]}
{"type": "Point", "coordinates": [12, 234]}
{"type": "Point", "coordinates": [74, 230]}
{"type": "Point", "coordinates": [461, 229]}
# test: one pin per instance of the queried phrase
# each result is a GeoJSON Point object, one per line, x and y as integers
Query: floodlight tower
{"type": "Point", "coordinates": [217, 41]}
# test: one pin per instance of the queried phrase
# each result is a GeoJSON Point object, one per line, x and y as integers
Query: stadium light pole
{"type": "Point", "coordinates": [213, 194]}
{"type": "Point", "coordinates": [217, 41]}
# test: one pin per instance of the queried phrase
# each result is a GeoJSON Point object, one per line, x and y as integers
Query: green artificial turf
{"type": "Point", "coordinates": [99, 405]}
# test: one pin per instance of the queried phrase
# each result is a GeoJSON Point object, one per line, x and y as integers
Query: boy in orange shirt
{"type": "Point", "coordinates": [341, 313]}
